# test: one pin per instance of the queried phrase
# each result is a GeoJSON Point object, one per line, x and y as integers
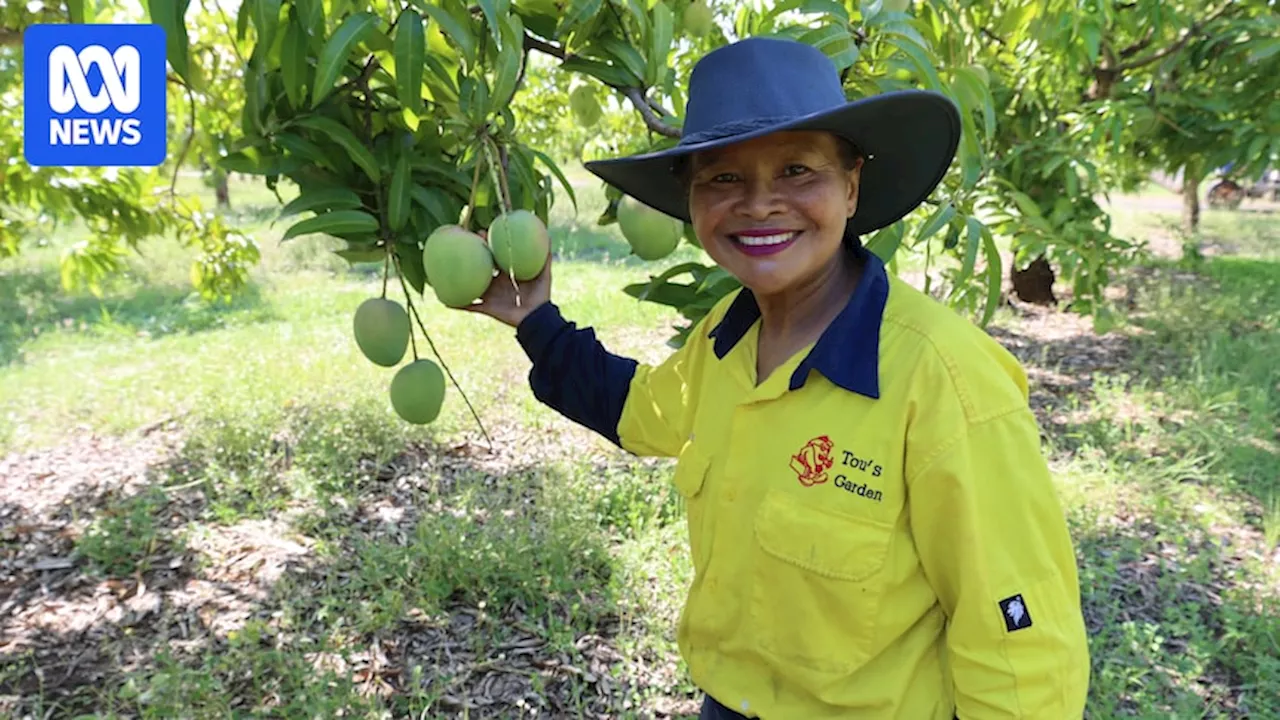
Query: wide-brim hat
{"type": "Point", "coordinates": [759, 86]}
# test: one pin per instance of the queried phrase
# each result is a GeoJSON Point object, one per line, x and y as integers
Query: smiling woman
{"type": "Point", "coordinates": [752, 202]}
{"type": "Point", "coordinates": [872, 524]}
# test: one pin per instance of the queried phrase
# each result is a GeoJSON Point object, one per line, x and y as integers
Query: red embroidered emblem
{"type": "Point", "coordinates": [813, 461]}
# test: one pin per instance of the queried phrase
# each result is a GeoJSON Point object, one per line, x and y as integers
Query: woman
{"type": "Point", "coordinates": [872, 524]}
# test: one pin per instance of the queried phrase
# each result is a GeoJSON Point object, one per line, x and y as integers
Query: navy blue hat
{"type": "Point", "coordinates": [758, 86]}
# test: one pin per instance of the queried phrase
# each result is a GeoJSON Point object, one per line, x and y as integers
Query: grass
{"type": "Point", "coordinates": [367, 567]}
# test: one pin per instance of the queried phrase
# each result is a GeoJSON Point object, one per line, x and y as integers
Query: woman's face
{"type": "Point", "coordinates": [772, 210]}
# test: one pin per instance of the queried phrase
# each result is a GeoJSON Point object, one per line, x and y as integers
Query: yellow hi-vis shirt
{"type": "Point", "coordinates": [873, 528]}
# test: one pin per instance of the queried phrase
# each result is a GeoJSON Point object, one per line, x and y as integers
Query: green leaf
{"type": "Point", "coordinates": [828, 7]}
{"type": "Point", "coordinates": [578, 13]}
{"type": "Point", "coordinates": [967, 87]}
{"type": "Point", "coordinates": [355, 257]}
{"type": "Point", "coordinates": [321, 199]}
{"type": "Point", "coordinates": [995, 275]}
{"type": "Point", "coordinates": [410, 54]}
{"type": "Point", "coordinates": [242, 18]}
{"type": "Point", "coordinates": [398, 198]}
{"type": "Point", "coordinates": [663, 31]}
{"type": "Point", "coordinates": [626, 57]}
{"type": "Point", "coordinates": [305, 149]}
{"type": "Point", "coordinates": [669, 294]}
{"type": "Point", "coordinates": [255, 99]}
{"type": "Point", "coordinates": [340, 134]}
{"type": "Point", "coordinates": [835, 10]}
{"type": "Point", "coordinates": [607, 74]}
{"type": "Point", "coordinates": [919, 58]}
{"type": "Point", "coordinates": [448, 172]}
{"type": "Point", "coordinates": [336, 50]}
{"type": "Point", "coordinates": [445, 86]}
{"type": "Point", "coordinates": [245, 161]}
{"type": "Point", "coordinates": [885, 242]}
{"type": "Point", "coordinates": [334, 222]}
{"type": "Point", "coordinates": [430, 200]}
{"type": "Point", "coordinates": [1255, 149]}
{"type": "Point", "coordinates": [311, 15]}
{"type": "Point", "coordinates": [266, 20]}
{"type": "Point", "coordinates": [170, 15]}
{"type": "Point", "coordinates": [455, 30]}
{"type": "Point", "coordinates": [75, 10]}
{"type": "Point", "coordinates": [661, 279]}
{"type": "Point", "coordinates": [411, 266]}
{"type": "Point", "coordinates": [638, 9]}
{"type": "Point", "coordinates": [475, 103]}
{"type": "Point", "coordinates": [714, 278]}
{"type": "Point", "coordinates": [970, 158]}
{"type": "Point", "coordinates": [940, 217]}
{"type": "Point", "coordinates": [492, 17]}
{"type": "Point", "coordinates": [555, 170]}
{"type": "Point", "coordinates": [1028, 206]}
{"type": "Point", "coordinates": [836, 42]}
{"type": "Point", "coordinates": [1091, 35]}
{"type": "Point", "coordinates": [507, 71]}
{"type": "Point", "coordinates": [293, 62]}
{"type": "Point", "coordinates": [972, 241]}
{"type": "Point", "coordinates": [1264, 51]}
{"type": "Point", "coordinates": [525, 186]}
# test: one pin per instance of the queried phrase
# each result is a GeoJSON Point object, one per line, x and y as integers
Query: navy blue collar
{"type": "Point", "coordinates": [848, 351]}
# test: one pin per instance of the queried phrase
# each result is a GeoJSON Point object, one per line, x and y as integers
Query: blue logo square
{"type": "Point", "coordinates": [94, 95]}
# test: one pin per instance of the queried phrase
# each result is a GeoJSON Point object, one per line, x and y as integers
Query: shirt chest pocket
{"type": "Point", "coordinates": [819, 580]}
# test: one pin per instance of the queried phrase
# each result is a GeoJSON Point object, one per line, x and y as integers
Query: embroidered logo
{"type": "Point", "coordinates": [813, 461]}
{"type": "Point", "coordinates": [1016, 615]}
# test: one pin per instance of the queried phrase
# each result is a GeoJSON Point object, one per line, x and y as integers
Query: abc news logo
{"type": "Point", "coordinates": [69, 89]}
{"type": "Point", "coordinates": [95, 95]}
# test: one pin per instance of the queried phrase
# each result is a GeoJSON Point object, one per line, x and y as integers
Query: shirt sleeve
{"type": "Point", "coordinates": [994, 544]}
{"type": "Point", "coordinates": [572, 371]}
{"type": "Point", "coordinates": [641, 408]}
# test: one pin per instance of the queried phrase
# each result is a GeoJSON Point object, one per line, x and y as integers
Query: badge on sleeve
{"type": "Point", "coordinates": [1016, 614]}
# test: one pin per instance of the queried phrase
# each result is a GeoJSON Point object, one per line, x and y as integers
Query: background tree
{"type": "Point", "coordinates": [394, 117]}
{"type": "Point", "coordinates": [119, 207]}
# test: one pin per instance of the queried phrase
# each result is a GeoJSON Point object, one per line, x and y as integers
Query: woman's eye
{"type": "Point", "coordinates": [796, 170]}
{"type": "Point", "coordinates": [723, 177]}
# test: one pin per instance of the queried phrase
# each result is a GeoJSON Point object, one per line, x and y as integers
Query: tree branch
{"type": "Point", "coordinates": [1176, 46]}
{"type": "Point", "coordinates": [186, 145]}
{"type": "Point", "coordinates": [10, 37]}
{"type": "Point", "coordinates": [634, 94]}
{"type": "Point", "coordinates": [992, 36]}
{"type": "Point", "coordinates": [1139, 46]}
{"type": "Point", "coordinates": [231, 36]}
{"type": "Point", "coordinates": [533, 43]}
{"type": "Point", "coordinates": [653, 122]}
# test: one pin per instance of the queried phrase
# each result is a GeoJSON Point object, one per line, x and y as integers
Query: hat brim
{"type": "Point", "coordinates": [909, 136]}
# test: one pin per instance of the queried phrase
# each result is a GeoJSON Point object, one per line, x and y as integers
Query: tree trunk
{"type": "Point", "coordinates": [222, 192]}
{"type": "Point", "coordinates": [1034, 283]}
{"type": "Point", "coordinates": [1191, 178]}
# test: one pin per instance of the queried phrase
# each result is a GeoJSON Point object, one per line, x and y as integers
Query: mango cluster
{"type": "Point", "coordinates": [460, 265]}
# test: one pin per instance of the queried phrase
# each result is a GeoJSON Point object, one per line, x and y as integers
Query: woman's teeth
{"type": "Point", "coordinates": [766, 239]}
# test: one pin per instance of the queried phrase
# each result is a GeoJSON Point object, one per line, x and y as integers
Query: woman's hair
{"type": "Point", "coordinates": [682, 168]}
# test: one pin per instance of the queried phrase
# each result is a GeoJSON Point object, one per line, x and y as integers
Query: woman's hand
{"type": "Point", "coordinates": [499, 301]}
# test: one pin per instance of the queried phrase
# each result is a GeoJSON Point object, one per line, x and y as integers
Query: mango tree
{"type": "Point", "coordinates": [1131, 86]}
{"type": "Point", "coordinates": [394, 119]}
{"type": "Point", "coordinates": [1217, 105]}
{"type": "Point", "coordinates": [397, 118]}
{"type": "Point", "coordinates": [119, 208]}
